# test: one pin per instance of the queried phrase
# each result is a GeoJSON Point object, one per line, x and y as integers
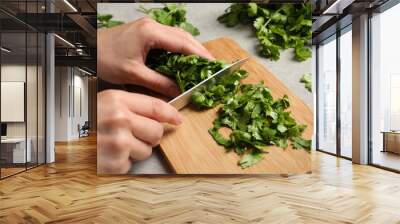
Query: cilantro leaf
{"type": "Point", "coordinates": [189, 28]}
{"type": "Point", "coordinates": [252, 9]}
{"type": "Point", "coordinates": [307, 80]}
{"type": "Point", "coordinates": [250, 159]}
{"type": "Point", "coordinates": [302, 53]}
{"type": "Point", "coordinates": [171, 15]}
{"type": "Point", "coordinates": [298, 142]}
{"type": "Point", "coordinates": [105, 21]}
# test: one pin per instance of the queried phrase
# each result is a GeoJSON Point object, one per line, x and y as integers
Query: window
{"type": "Point", "coordinates": [327, 96]}
{"type": "Point", "coordinates": [346, 92]}
{"type": "Point", "coordinates": [385, 89]}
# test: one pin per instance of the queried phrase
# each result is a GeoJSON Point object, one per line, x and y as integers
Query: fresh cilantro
{"type": "Point", "coordinates": [298, 143]}
{"type": "Point", "coordinates": [105, 21]}
{"type": "Point", "coordinates": [171, 15]}
{"type": "Point", "coordinates": [256, 121]}
{"type": "Point", "coordinates": [306, 79]}
{"type": "Point", "coordinates": [250, 159]}
{"type": "Point", "coordinates": [191, 70]}
{"type": "Point", "coordinates": [277, 27]}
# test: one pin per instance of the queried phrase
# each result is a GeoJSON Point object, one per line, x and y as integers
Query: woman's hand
{"type": "Point", "coordinates": [129, 125]}
{"type": "Point", "coordinates": [122, 52]}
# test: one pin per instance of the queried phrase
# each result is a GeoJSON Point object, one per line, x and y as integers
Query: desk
{"type": "Point", "coordinates": [13, 150]}
{"type": "Point", "coordinates": [391, 141]}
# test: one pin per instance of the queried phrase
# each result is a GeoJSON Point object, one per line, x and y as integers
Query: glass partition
{"type": "Point", "coordinates": [31, 98]}
{"type": "Point", "coordinates": [385, 89]}
{"type": "Point", "coordinates": [327, 96]}
{"type": "Point", "coordinates": [346, 93]}
{"type": "Point", "coordinates": [13, 94]}
{"type": "Point", "coordinates": [41, 96]}
{"type": "Point", "coordinates": [22, 77]}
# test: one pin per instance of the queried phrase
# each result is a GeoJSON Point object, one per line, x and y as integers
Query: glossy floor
{"type": "Point", "coordinates": [69, 191]}
{"type": "Point", "coordinates": [387, 159]}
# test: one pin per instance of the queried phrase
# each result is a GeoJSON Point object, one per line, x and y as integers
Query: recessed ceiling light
{"type": "Point", "coordinates": [337, 7]}
{"type": "Point", "coordinates": [5, 50]}
{"type": "Point", "coordinates": [70, 5]}
{"type": "Point", "coordinates": [65, 41]}
{"type": "Point", "coordinates": [84, 71]}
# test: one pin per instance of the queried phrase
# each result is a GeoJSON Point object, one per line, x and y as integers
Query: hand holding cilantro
{"type": "Point", "coordinates": [131, 124]}
{"type": "Point", "coordinates": [124, 49]}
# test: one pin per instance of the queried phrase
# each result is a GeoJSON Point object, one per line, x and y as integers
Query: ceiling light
{"type": "Point", "coordinates": [337, 7]}
{"type": "Point", "coordinates": [84, 71]}
{"type": "Point", "coordinates": [5, 50]}
{"type": "Point", "coordinates": [70, 5]}
{"type": "Point", "coordinates": [329, 9]}
{"type": "Point", "coordinates": [65, 41]}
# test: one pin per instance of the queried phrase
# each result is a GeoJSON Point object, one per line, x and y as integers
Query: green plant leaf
{"type": "Point", "coordinates": [171, 15]}
{"type": "Point", "coordinates": [250, 159]}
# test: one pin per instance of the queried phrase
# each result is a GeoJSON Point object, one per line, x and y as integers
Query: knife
{"type": "Point", "coordinates": [182, 100]}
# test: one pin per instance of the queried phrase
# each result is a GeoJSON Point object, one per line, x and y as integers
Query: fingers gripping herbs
{"type": "Point", "coordinates": [190, 70]}
{"type": "Point", "coordinates": [256, 120]}
{"type": "Point", "coordinates": [277, 27]}
{"type": "Point", "coordinates": [171, 15]}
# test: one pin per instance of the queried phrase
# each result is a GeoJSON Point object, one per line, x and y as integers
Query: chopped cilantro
{"type": "Point", "coordinates": [277, 26]}
{"type": "Point", "coordinates": [171, 15]}
{"type": "Point", "coordinates": [307, 80]}
{"type": "Point", "coordinates": [105, 20]}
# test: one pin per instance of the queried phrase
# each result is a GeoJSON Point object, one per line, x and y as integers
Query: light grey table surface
{"type": "Point", "coordinates": [204, 17]}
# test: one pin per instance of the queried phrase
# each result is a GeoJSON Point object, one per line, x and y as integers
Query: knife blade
{"type": "Point", "coordinates": [182, 100]}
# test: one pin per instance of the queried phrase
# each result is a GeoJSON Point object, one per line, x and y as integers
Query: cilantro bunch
{"type": "Point", "coordinates": [277, 27]}
{"type": "Point", "coordinates": [189, 70]}
{"type": "Point", "coordinates": [257, 120]}
{"type": "Point", "coordinates": [171, 15]}
{"type": "Point", "coordinates": [105, 20]}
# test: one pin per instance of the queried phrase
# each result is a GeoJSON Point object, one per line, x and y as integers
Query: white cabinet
{"type": "Point", "coordinates": [17, 146]}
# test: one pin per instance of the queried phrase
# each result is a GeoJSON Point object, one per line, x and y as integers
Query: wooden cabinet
{"type": "Point", "coordinates": [391, 142]}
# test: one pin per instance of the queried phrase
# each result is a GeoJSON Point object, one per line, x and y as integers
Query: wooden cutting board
{"type": "Point", "coordinates": [190, 149]}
